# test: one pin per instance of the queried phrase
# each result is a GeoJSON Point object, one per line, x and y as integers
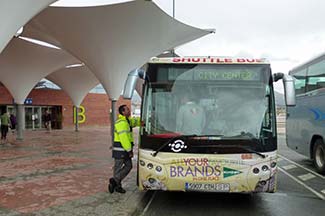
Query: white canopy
{"type": "Point", "coordinates": [75, 81]}
{"type": "Point", "coordinates": [113, 39]}
{"type": "Point", "coordinates": [23, 64]}
{"type": "Point", "coordinates": [16, 13]}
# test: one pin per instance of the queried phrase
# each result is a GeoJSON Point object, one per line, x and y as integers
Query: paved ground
{"type": "Point", "coordinates": [65, 173]}
{"type": "Point", "coordinates": [62, 173]}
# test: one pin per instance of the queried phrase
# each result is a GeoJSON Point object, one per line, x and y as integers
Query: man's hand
{"type": "Point", "coordinates": [131, 154]}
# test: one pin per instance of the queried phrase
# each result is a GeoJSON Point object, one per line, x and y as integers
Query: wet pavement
{"type": "Point", "coordinates": [295, 195]}
{"type": "Point", "coordinates": [66, 173]}
{"type": "Point", "coordinates": [62, 173]}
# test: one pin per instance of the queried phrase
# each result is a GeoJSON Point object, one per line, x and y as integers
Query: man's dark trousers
{"type": "Point", "coordinates": [122, 168]}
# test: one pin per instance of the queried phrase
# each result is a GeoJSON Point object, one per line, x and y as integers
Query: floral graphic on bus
{"type": "Point", "coordinates": [153, 184]}
{"type": "Point", "coordinates": [266, 185]}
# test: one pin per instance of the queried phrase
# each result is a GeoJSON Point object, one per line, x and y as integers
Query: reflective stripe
{"type": "Point", "coordinates": [123, 131]}
{"type": "Point", "coordinates": [120, 120]}
{"type": "Point", "coordinates": [119, 152]}
{"type": "Point", "coordinates": [118, 149]}
{"type": "Point", "coordinates": [115, 131]}
{"type": "Point", "coordinates": [119, 145]}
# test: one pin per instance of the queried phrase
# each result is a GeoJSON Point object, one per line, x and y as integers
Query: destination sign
{"type": "Point", "coordinates": [215, 74]}
{"type": "Point", "coordinates": [227, 75]}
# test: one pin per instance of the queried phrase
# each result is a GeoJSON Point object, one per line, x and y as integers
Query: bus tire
{"type": "Point", "coordinates": [319, 156]}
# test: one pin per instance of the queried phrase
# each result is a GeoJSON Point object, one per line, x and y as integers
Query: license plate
{"type": "Point", "coordinates": [220, 187]}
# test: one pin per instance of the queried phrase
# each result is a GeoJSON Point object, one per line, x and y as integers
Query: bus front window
{"type": "Point", "coordinates": [207, 100]}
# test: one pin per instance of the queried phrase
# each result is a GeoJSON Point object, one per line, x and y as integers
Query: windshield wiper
{"type": "Point", "coordinates": [179, 137]}
{"type": "Point", "coordinates": [236, 146]}
{"type": "Point", "coordinates": [244, 135]}
{"type": "Point", "coordinates": [170, 140]}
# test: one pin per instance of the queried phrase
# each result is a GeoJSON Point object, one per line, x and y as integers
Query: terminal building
{"type": "Point", "coordinates": [94, 111]}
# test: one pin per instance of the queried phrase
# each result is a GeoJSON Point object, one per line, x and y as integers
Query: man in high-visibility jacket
{"type": "Point", "coordinates": [122, 148]}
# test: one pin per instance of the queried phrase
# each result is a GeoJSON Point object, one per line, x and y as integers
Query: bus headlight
{"type": "Point", "coordinates": [256, 170]}
{"type": "Point", "coordinates": [142, 163]}
{"type": "Point", "coordinates": [150, 165]}
{"type": "Point", "coordinates": [265, 168]}
{"type": "Point", "coordinates": [158, 168]}
{"type": "Point", "coordinates": [152, 180]}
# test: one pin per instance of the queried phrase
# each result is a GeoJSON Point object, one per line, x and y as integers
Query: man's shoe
{"type": "Point", "coordinates": [112, 185]}
{"type": "Point", "coordinates": [113, 182]}
{"type": "Point", "coordinates": [110, 188]}
{"type": "Point", "coordinates": [120, 190]}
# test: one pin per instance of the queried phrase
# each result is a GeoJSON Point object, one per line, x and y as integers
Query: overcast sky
{"type": "Point", "coordinates": [287, 32]}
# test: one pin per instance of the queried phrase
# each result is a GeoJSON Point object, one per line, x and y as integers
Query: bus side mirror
{"type": "Point", "coordinates": [289, 90]}
{"type": "Point", "coordinates": [131, 82]}
{"type": "Point", "coordinates": [289, 87]}
{"type": "Point", "coordinates": [277, 76]}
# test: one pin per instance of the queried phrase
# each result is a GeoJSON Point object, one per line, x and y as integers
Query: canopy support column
{"type": "Point", "coordinates": [76, 118]}
{"type": "Point", "coordinates": [113, 118]}
{"type": "Point", "coordinates": [20, 121]}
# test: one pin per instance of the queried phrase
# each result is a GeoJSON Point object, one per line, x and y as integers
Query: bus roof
{"type": "Point", "coordinates": [208, 60]}
{"type": "Point", "coordinates": [311, 61]}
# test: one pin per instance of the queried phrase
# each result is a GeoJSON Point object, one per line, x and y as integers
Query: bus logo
{"type": "Point", "coordinates": [177, 145]}
{"type": "Point", "coordinates": [227, 172]}
{"type": "Point", "coordinates": [319, 115]}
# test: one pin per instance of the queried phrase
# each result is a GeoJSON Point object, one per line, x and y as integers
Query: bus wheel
{"type": "Point", "coordinates": [319, 156]}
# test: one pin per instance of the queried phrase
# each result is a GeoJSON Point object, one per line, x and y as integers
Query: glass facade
{"type": "Point", "coordinates": [34, 116]}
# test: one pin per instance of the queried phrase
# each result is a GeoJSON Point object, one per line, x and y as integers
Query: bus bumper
{"type": "Point", "coordinates": [207, 173]}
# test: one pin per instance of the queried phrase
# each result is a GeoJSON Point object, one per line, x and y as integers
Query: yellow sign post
{"type": "Point", "coordinates": [81, 115]}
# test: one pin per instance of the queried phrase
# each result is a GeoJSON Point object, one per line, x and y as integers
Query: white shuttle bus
{"type": "Point", "coordinates": [232, 149]}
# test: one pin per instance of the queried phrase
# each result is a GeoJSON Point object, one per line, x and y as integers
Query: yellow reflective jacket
{"type": "Point", "coordinates": [123, 132]}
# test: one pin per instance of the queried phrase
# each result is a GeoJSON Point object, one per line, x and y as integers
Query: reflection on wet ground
{"type": "Point", "coordinates": [49, 169]}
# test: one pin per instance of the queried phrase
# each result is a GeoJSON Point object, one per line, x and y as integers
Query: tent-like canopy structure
{"type": "Point", "coordinates": [75, 81]}
{"type": "Point", "coordinates": [112, 39]}
{"type": "Point", "coordinates": [23, 64]}
{"type": "Point", "coordinates": [16, 13]}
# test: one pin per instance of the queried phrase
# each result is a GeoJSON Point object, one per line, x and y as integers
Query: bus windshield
{"type": "Point", "coordinates": [213, 100]}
